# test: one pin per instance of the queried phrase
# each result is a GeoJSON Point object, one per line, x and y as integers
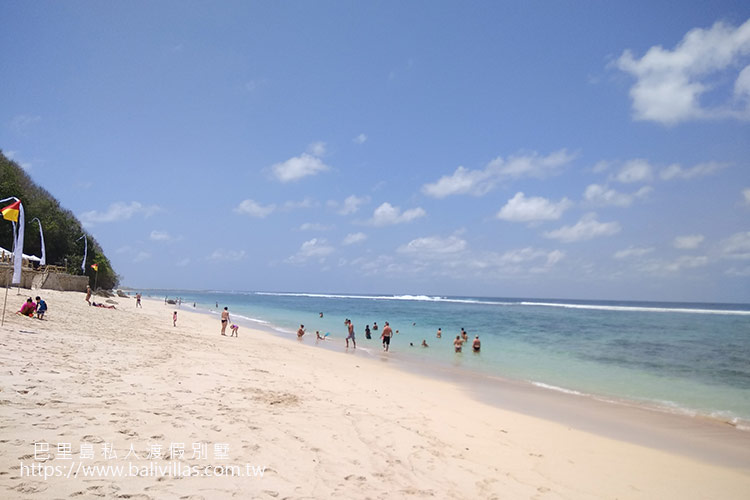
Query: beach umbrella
{"type": "Point", "coordinates": [43, 261]}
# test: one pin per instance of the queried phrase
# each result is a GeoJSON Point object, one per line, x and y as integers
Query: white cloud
{"type": "Point", "coordinates": [314, 248]}
{"type": "Point", "coordinates": [301, 166]}
{"type": "Point", "coordinates": [688, 242]}
{"type": "Point", "coordinates": [141, 256]}
{"type": "Point", "coordinates": [314, 226]}
{"type": "Point", "coordinates": [360, 139]}
{"type": "Point", "coordinates": [118, 211]}
{"type": "Point", "coordinates": [736, 246]}
{"type": "Point", "coordinates": [738, 272]}
{"type": "Point", "coordinates": [254, 209]}
{"type": "Point", "coordinates": [746, 196]}
{"type": "Point", "coordinates": [350, 205]}
{"type": "Point", "coordinates": [182, 262]}
{"type": "Point", "coordinates": [677, 172]}
{"type": "Point", "coordinates": [634, 171]}
{"type": "Point", "coordinates": [686, 262]}
{"type": "Point", "coordinates": [585, 229]}
{"type": "Point", "coordinates": [317, 148]}
{"type": "Point", "coordinates": [480, 182]}
{"type": "Point", "coordinates": [227, 255]}
{"type": "Point", "coordinates": [160, 235]}
{"type": "Point", "coordinates": [434, 245]}
{"type": "Point", "coordinates": [522, 209]}
{"type": "Point", "coordinates": [669, 83]}
{"type": "Point", "coordinates": [603, 195]}
{"type": "Point", "coordinates": [20, 123]}
{"type": "Point", "coordinates": [632, 252]}
{"type": "Point", "coordinates": [302, 204]}
{"type": "Point", "coordinates": [353, 238]}
{"type": "Point", "coordinates": [386, 215]}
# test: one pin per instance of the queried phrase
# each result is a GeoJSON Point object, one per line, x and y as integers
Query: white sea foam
{"type": "Point", "coordinates": [637, 308]}
{"type": "Point", "coordinates": [417, 298]}
{"type": "Point", "coordinates": [558, 389]}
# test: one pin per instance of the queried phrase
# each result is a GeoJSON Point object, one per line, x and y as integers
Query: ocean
{"type": "Point", "coordinates": [686, 358]}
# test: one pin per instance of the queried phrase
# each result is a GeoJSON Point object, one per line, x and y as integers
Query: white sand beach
{"type": "Point", "coordinates": [318, 423]}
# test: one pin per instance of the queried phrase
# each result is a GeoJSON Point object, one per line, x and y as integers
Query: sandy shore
{"type": "Point", "coordinates": [322, 424]}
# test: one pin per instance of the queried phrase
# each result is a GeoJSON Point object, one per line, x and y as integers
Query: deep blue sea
{"type": "Point", "coordinates": [683, 357]}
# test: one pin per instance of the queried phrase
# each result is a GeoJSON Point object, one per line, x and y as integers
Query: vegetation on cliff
{"type": "Point", "coordinates": [61, 228]}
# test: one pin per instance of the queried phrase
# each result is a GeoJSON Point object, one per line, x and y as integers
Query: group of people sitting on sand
{"type": "Point", "coordinates": [30, 307]}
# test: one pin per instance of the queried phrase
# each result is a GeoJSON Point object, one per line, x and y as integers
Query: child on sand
{"type": "Point", "coordinates": [174, 319]}
{"type": "Point", "coordinates": [234, 329]}
{"type": "Point", "coordinates": [41, 308]}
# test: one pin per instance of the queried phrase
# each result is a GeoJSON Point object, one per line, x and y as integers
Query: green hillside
{"type": "Point", "coordinates": [60, 226]}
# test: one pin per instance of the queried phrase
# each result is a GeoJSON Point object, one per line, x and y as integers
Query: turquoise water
{"type": "Point", "coordinates": [691, 358]}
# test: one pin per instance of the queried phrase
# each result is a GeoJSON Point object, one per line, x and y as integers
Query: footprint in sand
{"type": "Point", "coordinates": [88, 438]}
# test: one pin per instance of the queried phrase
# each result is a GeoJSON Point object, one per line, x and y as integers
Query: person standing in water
{"type": "Point", "coordinates": [350, 327]}
{"type": "Point", "coordinates": [386, 336]}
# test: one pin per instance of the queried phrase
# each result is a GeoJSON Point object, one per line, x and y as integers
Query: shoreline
{"type": "Point", "coordinates": [322, 423]}
{"type": "Point", "coordinates": [699, 436]}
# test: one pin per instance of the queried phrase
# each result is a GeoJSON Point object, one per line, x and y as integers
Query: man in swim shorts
{"type": "Point", "coordinates": [350, 326]}
{"type": "Point", "coordinates": [386, 336]}
{"type": "Point", "coordinates": [224, 320]}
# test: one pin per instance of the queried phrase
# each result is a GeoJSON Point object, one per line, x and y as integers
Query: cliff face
{"type": "Point", "coordinates": [60, 226]}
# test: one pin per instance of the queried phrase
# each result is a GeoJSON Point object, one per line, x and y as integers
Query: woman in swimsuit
{"type": "Point", "coordinates": [224, 320]}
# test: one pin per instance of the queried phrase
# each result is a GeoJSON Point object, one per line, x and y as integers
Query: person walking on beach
{"type": "Point", "coordinates": [350, 326]}
{"type": "Point", "coordinates": [88, 294]}
{"type": "Point", "coordinates": [386, 336]}
{"type": "Point", "coordinates": [138, 300]}
{"type": "Point", "coordinates": [476, 345]}
{"type": "Point", "coordinates": [174, 319]}
{"type": "Point", "coordinates": [224, 320]}
{"type": "Point", "coordinates": [458, 343]}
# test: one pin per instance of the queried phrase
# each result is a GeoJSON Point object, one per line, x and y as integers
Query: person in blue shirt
{"type": "Point", "coordinates": [41, 308]}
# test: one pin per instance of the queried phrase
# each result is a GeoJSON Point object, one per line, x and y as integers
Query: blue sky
{"type": "Point", "coordinates": [532, 149]}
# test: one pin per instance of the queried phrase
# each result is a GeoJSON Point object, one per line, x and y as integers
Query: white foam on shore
{"type": "Point", "coordinates": [558, 389]}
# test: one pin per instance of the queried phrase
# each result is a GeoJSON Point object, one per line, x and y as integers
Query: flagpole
{"type": "Point", "coordinates": [4, 303]}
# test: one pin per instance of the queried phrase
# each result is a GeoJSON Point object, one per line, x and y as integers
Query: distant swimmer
{"type": "Point", "coordinates": [386, 336]}
{"type": "Point", "coordinates": [350, 327]}
{"type": "Point", "coordinates": [458, 343]}
{"type": "Point", "coordinates": [321, 315]}
{"type": "Point", "coordinates": [317, 335]}
{"type": "Point", "coordinates": [375, 326]}
{"type": "Point", "coordinates": [301, 331]}
{"type": "Point", "coordinates": [440, 333]}
{"type": "Point", "coordinates": [464, 335]}
{"type": "Point", "coordinates": [224, 320]}
{"type": "Point", "coordinates": [367, 332]}
{"type": "Point", "coordinates": [424, 343]}
{"type": "Point", "coordinates": [476, 345]}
